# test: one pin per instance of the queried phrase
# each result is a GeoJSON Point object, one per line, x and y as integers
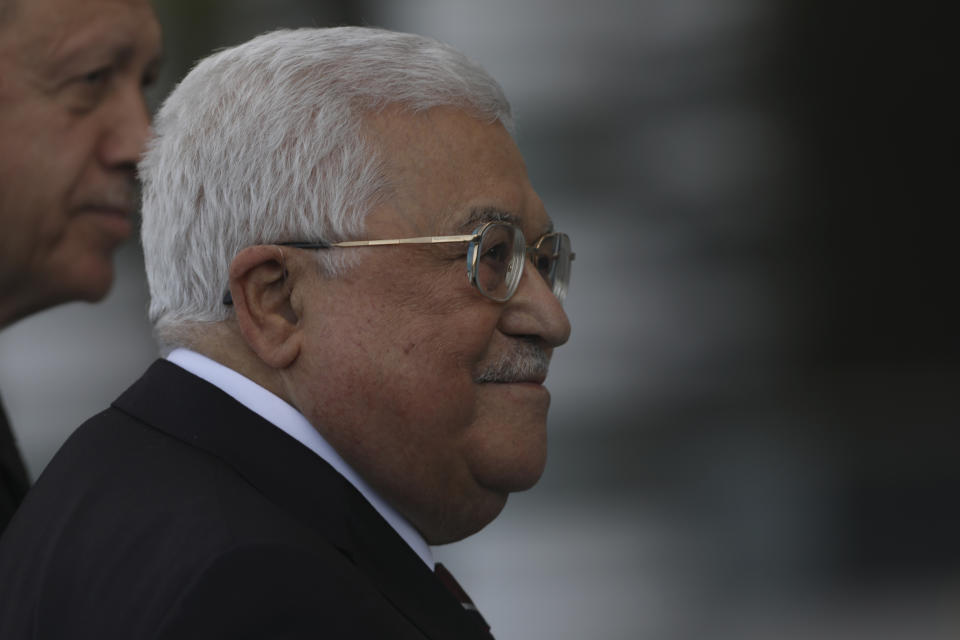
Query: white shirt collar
{"type": "Point", "coordinates": [288, 419]}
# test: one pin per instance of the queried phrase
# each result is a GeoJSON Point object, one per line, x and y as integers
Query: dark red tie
{"type": "Point", "coordinates": [450, 583]}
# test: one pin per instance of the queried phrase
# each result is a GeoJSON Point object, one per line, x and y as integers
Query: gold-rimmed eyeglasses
{"type": "Point", "coordinates": [495, 257]}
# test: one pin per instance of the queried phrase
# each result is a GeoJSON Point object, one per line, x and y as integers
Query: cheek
{"type": "Point", "coordinates": [436, 333]}
{"type": "Point", "coordinates": [44, 237]}
{"type": "Point", "coordinates": [29, 186]}
{"type": "Point", "coordinates": [17, 220]}
{"type": "Point", "coordinates": [50, 148]}
{"type": "Point", "coordinates": [397, 366]}
{"type": "Point", "coordinates": [42, 179]}
{"type": "Point", "coordinates": [423, 372]}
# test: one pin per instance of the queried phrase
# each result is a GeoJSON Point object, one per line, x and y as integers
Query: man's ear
{"type": "Point", "coordinates": [261, 300]}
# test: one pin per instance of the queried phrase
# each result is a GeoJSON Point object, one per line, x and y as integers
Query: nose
{"type": "Point", "coordinates": [126, 129]}
{"type": "Point", "coordinates": [533, 311]}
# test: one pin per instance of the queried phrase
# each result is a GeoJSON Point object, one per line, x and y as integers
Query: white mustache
{"type": "Point", "coordinates": [525, 363]}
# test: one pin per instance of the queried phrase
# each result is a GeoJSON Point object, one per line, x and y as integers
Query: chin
{"type": "Point", "coordinates": [467, 519]}
{"type": "Point", "coordinates": [507, 450]}
{"type": "Point", "coordinates": [91, 283]}
{"type": "Point", "coordinates": [494, 474]}
{"type": "Point", "coordinates": [511, 464]}
{"type": "Point", "coordinates": [520, 474]}
{"type": "Point", "coordinates": [76, 289]}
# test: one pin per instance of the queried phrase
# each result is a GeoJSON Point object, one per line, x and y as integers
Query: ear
{"type": "Point", "coordinates": [261, 299]}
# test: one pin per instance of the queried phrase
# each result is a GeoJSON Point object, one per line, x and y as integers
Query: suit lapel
{"type": "Point", "coordinates": [303, 484]}
{"type": "Point", "coordinates": [14, 482]}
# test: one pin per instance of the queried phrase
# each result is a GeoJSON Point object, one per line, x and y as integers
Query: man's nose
{"type": "Point", "coordinates": [535, 311]}
{"type": "Point", "coordinates": [126, 129]}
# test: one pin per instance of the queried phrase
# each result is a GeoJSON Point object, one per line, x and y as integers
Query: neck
{"type": "Point", "coordinates": [222, 342]}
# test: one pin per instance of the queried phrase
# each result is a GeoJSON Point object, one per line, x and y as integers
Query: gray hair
{"type": "Point", "coordinates": [264, 142]}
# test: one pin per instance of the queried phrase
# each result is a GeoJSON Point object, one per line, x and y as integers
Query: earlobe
{"type": "Point", "coordinates": [260, 286]}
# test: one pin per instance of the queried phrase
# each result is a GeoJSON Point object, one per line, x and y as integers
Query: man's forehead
{"type": "Point", "coordinates": [56, 30]}
{"type": "Point", "coordinates": [450, 172]}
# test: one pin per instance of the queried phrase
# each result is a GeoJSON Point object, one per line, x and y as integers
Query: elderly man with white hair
{"type": "Point", "coordinates": [357, 292]}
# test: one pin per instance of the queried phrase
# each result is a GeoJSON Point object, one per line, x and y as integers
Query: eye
{"type": "Point", "coordinates": [85, 91]}
{"type": "Point", "coordinates": [498, 252]}
{"type": "Point", "coordinates": [97, 76]}
{"type": "Point", "coordinates": [149, 79]}
{"type": "Point", "coordinates": [543, 263]}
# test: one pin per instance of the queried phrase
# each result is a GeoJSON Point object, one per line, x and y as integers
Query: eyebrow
{"type": "Point", "coordinates": [481, 215]}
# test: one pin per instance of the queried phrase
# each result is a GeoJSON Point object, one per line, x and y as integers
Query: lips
{"type": "Point", "coordinates": [113, 219]}
{"type": "Point", "coordinates": [119, 208]}
{"type": "Point", "coordinates": [118, 199]}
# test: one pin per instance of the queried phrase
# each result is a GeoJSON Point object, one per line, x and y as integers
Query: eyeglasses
{"type": "Point", "coordinates": [495, 257]}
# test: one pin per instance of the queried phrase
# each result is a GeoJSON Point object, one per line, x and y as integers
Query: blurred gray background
{"type": "Point", "coordinates": [752, 426]}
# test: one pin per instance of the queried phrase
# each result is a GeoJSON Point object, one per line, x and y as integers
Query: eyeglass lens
{"type": "Point", "coordinates": [499, 264]}
{"type": "Point", "coordinates": [551, 256]}
{"type": "Point", "coordinates": [501, 254]}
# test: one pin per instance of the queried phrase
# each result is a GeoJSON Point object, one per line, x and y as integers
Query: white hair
{"type": "Point", "coordinates": [264, 143]}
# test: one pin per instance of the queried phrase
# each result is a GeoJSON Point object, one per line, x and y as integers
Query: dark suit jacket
{"type": "Point", "coordinates": [179, 513]}
{"type": "Point", "coordinates": [13, 475]}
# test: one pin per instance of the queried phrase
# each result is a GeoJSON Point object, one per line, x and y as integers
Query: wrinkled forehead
{"type": "Point", "coordinates": [449, 172]}
{"type": "Point", "coordinates": [50, 27]}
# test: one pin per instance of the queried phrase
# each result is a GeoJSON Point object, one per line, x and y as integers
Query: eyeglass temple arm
{"type": "Point", "coordinates": [420, 240]}
{"type": "Point", "coordinates": [228, 299]}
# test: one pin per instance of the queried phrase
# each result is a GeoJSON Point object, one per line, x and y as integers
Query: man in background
{"type": "Point", "coordinates": [361, 293]}
{"type": "Point", "coordinates": [73, 123]}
